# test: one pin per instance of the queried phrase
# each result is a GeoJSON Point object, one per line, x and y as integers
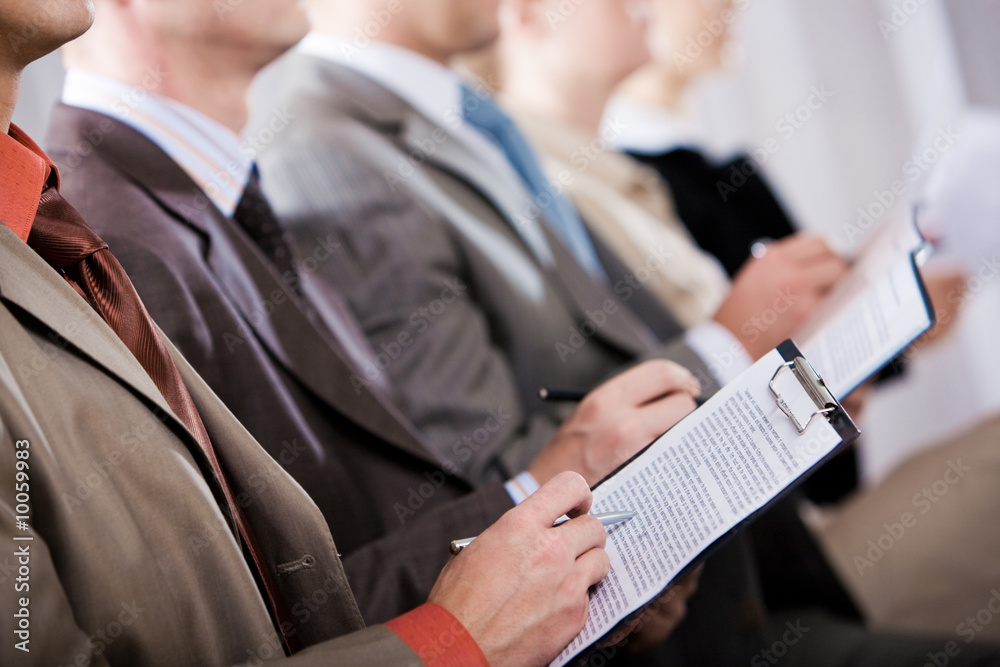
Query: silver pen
{"type": "Point", "coordinates": [606, 519]}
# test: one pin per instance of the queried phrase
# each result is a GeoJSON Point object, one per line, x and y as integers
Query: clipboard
{"type": "Point", "coordinates": [918, 257]}
{"type": "Point", "coordinates": [793, 371]}
{"type": "Point", "coordinates": [892, 256]}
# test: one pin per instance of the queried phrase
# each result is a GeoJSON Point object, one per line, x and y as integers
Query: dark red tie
{"type": "Point", "coordinates": [62, 238]}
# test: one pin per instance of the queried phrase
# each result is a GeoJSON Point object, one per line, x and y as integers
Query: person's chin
{"type": "Point", "coordinates": [51, 40]}
{"type": "Point", "coordinates": [482, 35]}
{"type": "Point", "coordinates": [85, 15]}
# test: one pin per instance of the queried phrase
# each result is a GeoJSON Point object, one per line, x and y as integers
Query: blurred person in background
{"type": "Point", "coordinates": [725, 202]}
{"type": "Point", "coordinates": [418, 175]}
{"type": "Point", "coordinates": [389, 135]}
{"type": "Point", "coordinates": [556, 75]}
{"type": "Point", "coordinates": [555, 82]}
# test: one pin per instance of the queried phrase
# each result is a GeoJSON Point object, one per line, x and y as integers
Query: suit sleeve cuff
{"type": "Point", "coordinates": [438, 638]}
{"type": "Point", "coordinates": [521, 486]}
{"type": "Point", "coordinates": [719, 349]}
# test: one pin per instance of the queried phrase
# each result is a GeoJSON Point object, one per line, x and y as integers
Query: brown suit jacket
{"type": "Point", "coordinates": [129, 560]}
{"type": "Point", "coordinates": [387, 500]}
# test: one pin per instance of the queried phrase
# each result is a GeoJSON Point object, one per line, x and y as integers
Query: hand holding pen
{"type": "Point", "coordinates": [606, 519]}
{"type": "Point", "coordinates": [617, 419]}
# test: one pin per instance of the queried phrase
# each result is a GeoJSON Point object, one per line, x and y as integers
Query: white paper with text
{"type": "Point", "coordinates": [872, 315]}
{"type": "Point", "coordinates": [700, 479]}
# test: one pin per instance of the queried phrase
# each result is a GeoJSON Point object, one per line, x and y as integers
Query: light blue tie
{"type": "Point", "coordinates": [482, 113]}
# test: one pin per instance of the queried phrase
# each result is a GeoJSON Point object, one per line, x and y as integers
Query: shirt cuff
{"type": "Point", "coordinates": [522, 486]}
{"type": "Point", "coordinates": [722, 353]}
{"type": "Point", "coordinates": [438, 638]}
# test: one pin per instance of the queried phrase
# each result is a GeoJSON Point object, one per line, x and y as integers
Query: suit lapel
{"type": "Point", "coordinates": [454, 156]}
{"type": "Point", "coordinates": [305, 349]}
{"type": "Point", "coordinates": [35, 287]}
{"type": "Point", "coordinates": [304, 346]}
{"type": "Point", "coordinates": [622, 327]}
{"type": "Point", "coordinates": [370, 103]}
{"type": "Point", "coordinates": [622, 330]}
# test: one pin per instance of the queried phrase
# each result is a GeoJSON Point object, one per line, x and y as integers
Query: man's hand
{"type": "Point", "coordinates": [618, 419]}
{"type": "Point", "coordinates": [521, 588]}
{"type": "Point", "coordinates": [772, 295]}
{"type": "Point", "coordinates": [947, 287]}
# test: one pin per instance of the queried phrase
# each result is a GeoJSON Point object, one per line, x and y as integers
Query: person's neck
{"type": "Point", "coordinates": [221, 97]}
{"type": "Point", "coordinates": [208, 83]}
{"type": "Point", "coordinates": [10, 87]}
{"type": "Point", "coordinates": [580, 106]}
{"type": "Point", "coordinates": [346, 25]}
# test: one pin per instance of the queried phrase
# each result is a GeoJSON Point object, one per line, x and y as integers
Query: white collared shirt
{"type": "Point", "coordinates": [436, 92]}
{"type": "Point", "coordinates": [210, 153]}
{"type": "Point", "coordinates": [431, 88]}
{"type": "Point", "coordinates": [649, 129]}
{"type": "Point", "coordinates": [215, 159]}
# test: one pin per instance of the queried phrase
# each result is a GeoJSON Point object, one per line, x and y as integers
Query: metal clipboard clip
{"type": "Point", "coordinates": [825, 401]}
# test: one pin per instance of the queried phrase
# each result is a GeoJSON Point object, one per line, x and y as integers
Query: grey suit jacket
{"type": "Point", "coordinates": [389, 502]}
{"type": "Point", "coordinates": [469, 320]}
{"type": "Point", "coordinates": [128, 559]}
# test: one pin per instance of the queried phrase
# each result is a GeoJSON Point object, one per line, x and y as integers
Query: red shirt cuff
{"type": "Point", "coordinates": [438, 638]}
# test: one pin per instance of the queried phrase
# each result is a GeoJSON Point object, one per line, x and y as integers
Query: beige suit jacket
{"type": "Point", "coordinates": [629, 206]}
{"type": "Point", "coordinates": [129, 560]}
